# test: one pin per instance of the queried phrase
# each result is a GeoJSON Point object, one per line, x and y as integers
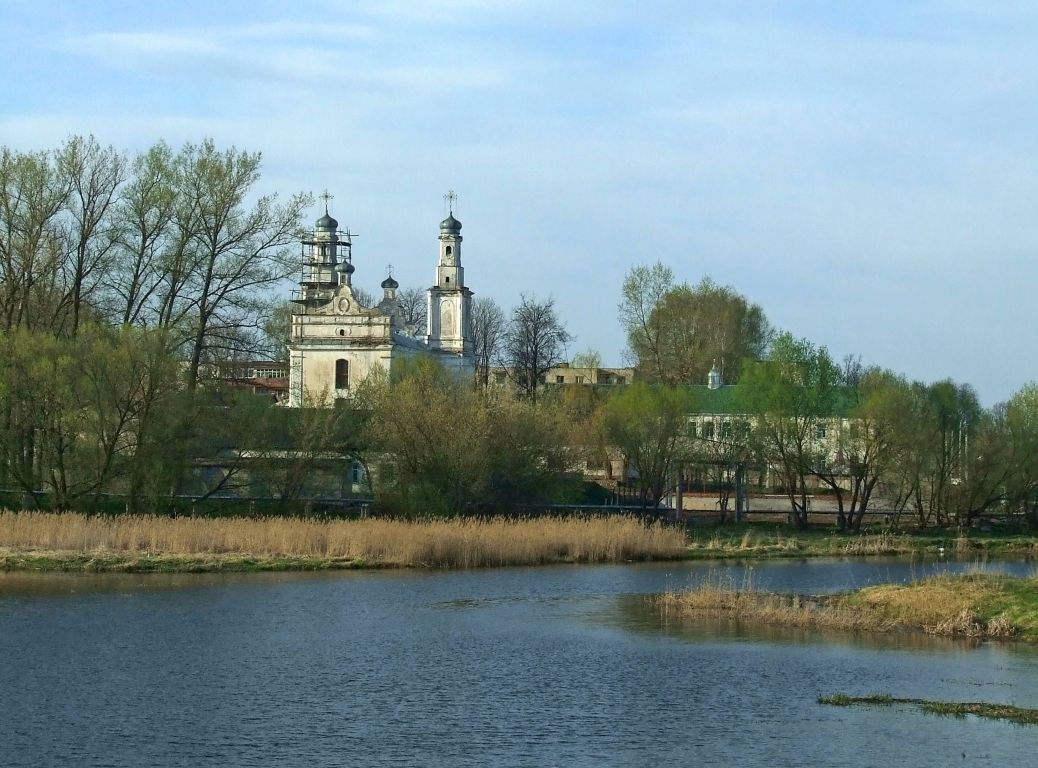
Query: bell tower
{"type": "Point", "coordinates": [449, 327]}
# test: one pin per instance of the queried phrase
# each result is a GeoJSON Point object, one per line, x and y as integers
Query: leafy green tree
{"type": "Point", "coordinates": [940, 426]}
{"type": "Point", "coordinates": [236, 251]}
{"type": "Point", "coordinates": [94, 174]}
{"type": "Point", "coordinates": [79, 412]}
{"type": "Point", "coordinates": [677, 333]}
{"type": "Point", "coordinates": [147, 240]}
{"type": "Point", "coordinates": [445, 448]}
{"type": "Point", "coordinates": [33, 194]}
{"type": "Point", "coordinates": [792, 396]}
{"type": "Point", "coordinates": [643, 290]}
{"type": "Point", "coordinates": [288, 449]}
{"type": "Point", "coordinates": [1020, 417]}
{"type": "Point", "coordinates": [647, 424]}
{"type": "Point", "coordinates": [865, 449]}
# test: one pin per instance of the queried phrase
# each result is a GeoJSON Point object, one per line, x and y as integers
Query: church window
{"type": "Point", "coordinates": [446, 279]}
{"type": "Point", "coordinates": [449, 250]}
{"type": "Point", "coordinates": [342, 331]}
{"type": "Point", "coordinates": [342, 374]}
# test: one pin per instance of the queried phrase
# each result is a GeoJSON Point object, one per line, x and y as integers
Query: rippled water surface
{"type": "Point", "coordinates": [558, 666]}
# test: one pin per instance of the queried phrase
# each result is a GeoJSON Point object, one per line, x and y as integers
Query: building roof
{"type": "Point", "coordinates": [327, 222]}
{"type": "Point", "coordinates": [725, 399]}
{"type": "Point", "coordinates": [450, 224]}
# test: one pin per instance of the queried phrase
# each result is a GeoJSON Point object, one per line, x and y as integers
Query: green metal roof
{"type": "Point", "coordinates": [725, 399]}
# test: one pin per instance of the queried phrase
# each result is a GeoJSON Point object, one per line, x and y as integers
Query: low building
{"type": "Point", "coordinates": [567, 375]}
{"type": "Point", "coordinates": [265, 378]}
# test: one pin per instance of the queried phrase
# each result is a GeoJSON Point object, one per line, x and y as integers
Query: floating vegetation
{"type": "Point", "coordinates": [1018, 715]}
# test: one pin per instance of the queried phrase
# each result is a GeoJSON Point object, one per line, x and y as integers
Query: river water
{"type": "Point", "coordinates": [551, 666]}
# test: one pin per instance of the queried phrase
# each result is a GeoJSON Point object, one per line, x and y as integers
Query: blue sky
{"type": "Point", "coordinates": [867, 172]}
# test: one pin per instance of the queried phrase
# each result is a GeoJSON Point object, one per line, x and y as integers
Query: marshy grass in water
{"type": "Point", "coordinates": [1013, 714]}
{"type": "Point", "coordinates": [39, 540]}
{"type": "Point", "coordinates": [975, 605]}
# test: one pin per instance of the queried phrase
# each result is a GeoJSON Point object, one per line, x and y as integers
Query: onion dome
{"type": "Point", "coordinates": [327, 222]}
{"type": "Point", "coordinates": [390, 284]}
{"type": "Point", "coordinates": [345, 267]}
{"type": "Point", "coordinates": [450, 225]}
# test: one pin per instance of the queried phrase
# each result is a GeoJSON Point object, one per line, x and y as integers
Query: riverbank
{"type": "Point", "coordinates": [40, 541]}
{"type": "Point", "coordinates": [976, 605]}
{"type": "Point", "coordinates": [758, 541]}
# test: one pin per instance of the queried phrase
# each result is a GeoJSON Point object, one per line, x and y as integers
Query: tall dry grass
{"type": "Point", "coordinates": [963, 605]}
{"type": "Point", "coordinates": [456, 543]}
{"type": "Point", "coordinates": [723, 597]}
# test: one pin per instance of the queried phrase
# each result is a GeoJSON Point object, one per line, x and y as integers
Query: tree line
{"type": "Point", "coordinates": [869, 437]}
{"type": "Point", "coordinates": [126, 280]}
{"type": "Point", "coordinates": [123, 277]}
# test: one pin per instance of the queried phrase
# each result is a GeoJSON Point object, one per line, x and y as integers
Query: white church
{"type": "Point", "coordinates": [336, 342]}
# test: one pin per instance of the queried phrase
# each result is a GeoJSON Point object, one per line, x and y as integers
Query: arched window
{"type": "Point", "coordinates": [342, 374]}
{"type": "Point", "coordinates": [448, 250]}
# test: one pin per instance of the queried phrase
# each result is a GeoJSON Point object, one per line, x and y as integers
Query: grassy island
{"type": "Point", "coordinates": [74, 542]}
{"type": "Point", "coordinates": [974, 605]}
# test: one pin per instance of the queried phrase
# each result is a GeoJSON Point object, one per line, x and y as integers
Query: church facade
{"type": "Point", "coordinates": [336, 342]}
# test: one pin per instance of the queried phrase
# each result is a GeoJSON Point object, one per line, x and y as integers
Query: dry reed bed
{"type": "Point", "coordinates": [459, 543]}
{"type": "Point", "coordinates": [973, 605]}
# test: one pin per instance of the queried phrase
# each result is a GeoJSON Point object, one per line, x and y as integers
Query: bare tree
{"type": "Point", "coordinates": [534, 342]}
{"type": "Point", "coordinates": [412, 305]}
{"type": "Point", "coordinates": [589, 358]}
{"type": "Point", "coordinates": [364, 297]}
{"type": "Point", "coordinates": [94, 174]}
{"type": "Point", "coordinates": [237, 252]}
{"type": "Point", "coordinates": [145, 226]}
{"type": "Point", "coordinates": [643, 290]}
{"type": "Point", "coordinates": [32, 197]}
{"type": "Point", "coordinates": [488, 330]}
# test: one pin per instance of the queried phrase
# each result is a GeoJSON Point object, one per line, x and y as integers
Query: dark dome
{"type": "Point", "coordinates": [389, 282]}
{"type": "Point", "coordinates": [346, 267]}
{"type": "Point", "coordinates": [450, 224]}
{"type": "Point", "coordinates": [327, 222]}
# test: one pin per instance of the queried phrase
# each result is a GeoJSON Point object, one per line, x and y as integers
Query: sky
{"type": "Point", "coordinates": [866, 172]}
